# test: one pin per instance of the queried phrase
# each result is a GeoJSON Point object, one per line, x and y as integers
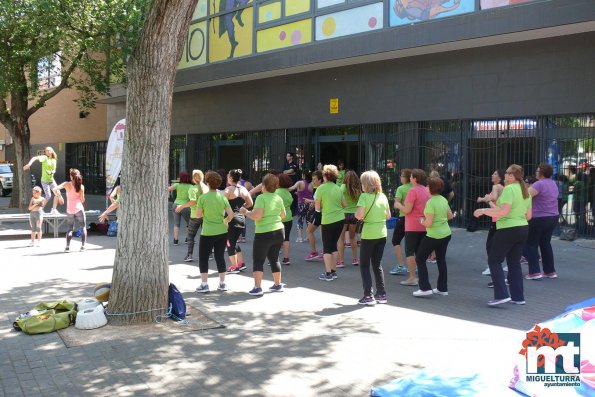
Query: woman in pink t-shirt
{"type": "Point", "coordinates": [75, 197]}
{"type": "Point", "coordinates": [413, 208]}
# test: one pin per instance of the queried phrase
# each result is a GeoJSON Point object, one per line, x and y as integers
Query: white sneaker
{"type": "Point", "coordinates": [423, 293]}
{"type": "Point", "coordinates": [486, 272]}
{"type": "Point", "coordinates": [31, 244]}
{"type": "Point", "coordinates": [222, 287]}
{"type": "Point", "coordinates": [437, 292]}
{"type": "Point", "coordinates": [299, 240]}
{"type": "Point", "coordinates": [54, 211]}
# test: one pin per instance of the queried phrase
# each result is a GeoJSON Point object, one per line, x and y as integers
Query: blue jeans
{"type": "Point", "coordinates": [540, 236]}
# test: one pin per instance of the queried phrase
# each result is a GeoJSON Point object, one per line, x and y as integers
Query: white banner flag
{"type": "Point", "coordinates": [113, 155]}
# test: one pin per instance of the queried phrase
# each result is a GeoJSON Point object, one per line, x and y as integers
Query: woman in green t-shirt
{"type": "Point", "coordinates": [267, 214]}
{"type": "Point", "coordinates": [328, 200]}
{"type": "Point", "coordinates": [194, 193]}
{"type": "Point", "coordinates": [181, 187]}
{"type": "Point", "coordinates": [374, 210]}
{"type": "Point", "coordinates": [399, 232]}
{"type": "Point", "coordinates": [283, 192]}
{"type": "Point", "coordinates": [512, 211]}
{"type": "Point", "coordinates": [437, 213]}
{"type": "Point", "coordinates": [351, 189]}
{"type": "Point", "coordinates": [48, 161]}
{"type": "Point", "coordinates": [211, 207]}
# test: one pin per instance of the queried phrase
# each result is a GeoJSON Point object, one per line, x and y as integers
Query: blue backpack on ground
{"type": "Point", "coordinates": [176, 303]}
{"type": "Point", "coordinates": [112, 230]}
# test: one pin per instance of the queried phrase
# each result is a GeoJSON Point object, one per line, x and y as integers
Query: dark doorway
{"type": "Point", "coordinates": [332, 152]}
{"type": "Point", "coordinates": [230, 157]}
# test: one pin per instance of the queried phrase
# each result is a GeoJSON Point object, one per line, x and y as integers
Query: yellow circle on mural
{"type": "Point", "coordinates": [328, 26]}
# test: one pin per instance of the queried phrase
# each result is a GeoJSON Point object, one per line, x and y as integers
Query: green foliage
{"type": "Point", "coordinates": [87, 41]}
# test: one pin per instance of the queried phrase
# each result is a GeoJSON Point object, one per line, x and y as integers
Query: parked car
{"type": "Point", "coordinates": [6, 175]}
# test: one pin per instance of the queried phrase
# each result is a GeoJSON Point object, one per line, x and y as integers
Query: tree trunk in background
{"type": "Point", "coordinates": [21, 181]}
{"type": "Point", "coordinates": [141, 275]}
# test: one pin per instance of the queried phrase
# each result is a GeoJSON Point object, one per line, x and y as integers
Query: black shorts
{"type": "Point", "coordinates": [350, 219]}
{"type": "Point", "coordinates": [399, 231]}
{"type": "Point", "coordinates": [330, 236]}
{"type": "Point", "coordinates": [314, 218]}
{"type": "Point", "coordinates": [412, 241]}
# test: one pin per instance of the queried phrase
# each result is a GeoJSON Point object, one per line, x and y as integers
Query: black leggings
{"type": "Point", "coordinates": [233, 234]}
{"type": "Point", "coordinates": [193, 226]}
{"type": "Point", "coordinates": [330, 236]}
{"type": "Point", "coordinates": [267, 245]}
{"type": "Point", "coordinates": [508, 243]}
{"type": "Point", "coordinates": [429, 244]}
{"type": "Point", "coordinates": [207, 244]}
{"type": "Point", "coordinates": [370, 254]}
{"type": "Point", "coordinates": [287, 226]}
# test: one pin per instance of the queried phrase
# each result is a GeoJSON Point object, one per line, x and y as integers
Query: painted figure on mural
{"type": "Point", "coordinates": [226, 23]}
{"type": "Point", "coordinates": [423, 10]}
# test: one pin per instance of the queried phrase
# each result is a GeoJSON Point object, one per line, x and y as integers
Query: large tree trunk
{"type": "Point", "coordinates": [141, 275]}
{"type": "Point", "coordinates": [21, 183]}
{"type": "Point", "coordinates": [21, 135]}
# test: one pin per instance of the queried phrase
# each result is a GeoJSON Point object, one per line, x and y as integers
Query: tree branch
{"type": "Point", "coordinates": [65, 77]}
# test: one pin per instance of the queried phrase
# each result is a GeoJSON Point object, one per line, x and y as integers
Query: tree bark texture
{"type": "Point", "coordinates": [141, 275]}
{"type": "Point", "coordinates": [21, 135]}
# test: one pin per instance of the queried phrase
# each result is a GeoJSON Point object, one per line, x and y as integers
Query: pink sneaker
{"type": "Point", "coordinates": [340, 264]}
{"type": "Point", "coordinates": [550, 275]}
{"type": "Point", "coordinates": [320, 256]}
{"type": "Point", "coordinates": [534, 276]}
{"type": "Point", "coordinates": [312, 256]}
{"type": "Point", "coordinates": [355, 262]}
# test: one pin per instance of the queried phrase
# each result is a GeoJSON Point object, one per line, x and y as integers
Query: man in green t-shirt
{"type": "Point", "coordinates": [48, 162]}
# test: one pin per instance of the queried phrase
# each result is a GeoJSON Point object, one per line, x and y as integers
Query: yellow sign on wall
{"type": "Point", "coordinates": [334, 106]}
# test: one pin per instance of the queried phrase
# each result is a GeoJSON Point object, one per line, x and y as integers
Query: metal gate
{"type": "Point", "coordinates": [89, 159]}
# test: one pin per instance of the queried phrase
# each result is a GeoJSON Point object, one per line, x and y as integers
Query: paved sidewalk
{"type": "Point", "coordinates": [311, 340]}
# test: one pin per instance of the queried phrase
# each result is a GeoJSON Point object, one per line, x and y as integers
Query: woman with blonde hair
{"type": "Point", "coordinates": [48, 162]}
{"type": "Point", "coordinates": [328, 200]}
{"type": "Point", "coordinates": [374, 210]}
{"type": "Point", "coordinates": [194, 193]}
{"type": "Point", "coordinates": [351, 189]}
{"type": "Point", "coordinates": [512, 211]}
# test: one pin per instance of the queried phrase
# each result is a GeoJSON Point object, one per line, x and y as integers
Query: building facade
{"type": "Point", "coordinates": [462, 86]}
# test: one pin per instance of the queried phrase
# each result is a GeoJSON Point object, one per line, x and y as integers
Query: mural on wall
{"type": "Point", "coordinates": [356, 20]}
{"type": "Point", "coordinates": [328, 3]}
{"type": "Point", "coordinates": [231, 33]}
{"type": "Point", "coordinates": [284, 36]}
{"type": "Point", "coordinates": [294, 7]}
{"type": "Point", "coordinates": [404, 12]}
{"type": "Point", "coordinates": [195, 48]}
{"type": "Point", "coordinates": [201, 10]}
{"type": "Point", "coordinates": [485, 4]}
{"type": "Point", "coordinates": [269, 12]}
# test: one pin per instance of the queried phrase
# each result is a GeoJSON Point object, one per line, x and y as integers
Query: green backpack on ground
{"type": "Point", "coordinates": [47, 317]}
